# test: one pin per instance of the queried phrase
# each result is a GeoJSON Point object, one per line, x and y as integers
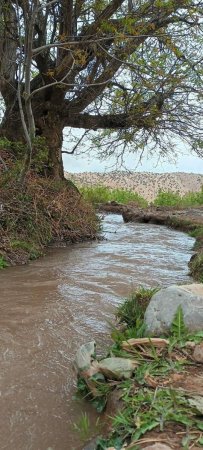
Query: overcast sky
{"type": "Point", "coordinates": [184, 163]}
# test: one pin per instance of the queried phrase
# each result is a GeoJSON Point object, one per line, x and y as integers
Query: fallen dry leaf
{"type": "Point", "coordinates": [156, 342]}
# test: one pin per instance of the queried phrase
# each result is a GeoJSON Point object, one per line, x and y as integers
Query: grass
{"type": "Point", "coordinates": [170, 198]}
{"type": "Point", "coordinates": [27, 246]}
{"type": "Point", "coordinates": [148, 399]}
{"type": "Point", "coordinates": [134, 306]}
{"type": "Point", "coordinates": [84, 428]}
{"type": "Point", "coordinates": [102, 194]}
{"type": "Point", "coordinates": [3, 263]}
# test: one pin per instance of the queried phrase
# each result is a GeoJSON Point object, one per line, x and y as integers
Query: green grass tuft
{"type": "Point", "coordinates": [134, 307]}
{"type": "Point", "coordinates": [3, 263]}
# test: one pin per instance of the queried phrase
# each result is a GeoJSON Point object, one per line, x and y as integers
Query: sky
{"type": "Point", "coordinates": [186, 162]}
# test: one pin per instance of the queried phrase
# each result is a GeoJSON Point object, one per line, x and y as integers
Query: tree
{"type": "Point", "coordinates": [131, 68]}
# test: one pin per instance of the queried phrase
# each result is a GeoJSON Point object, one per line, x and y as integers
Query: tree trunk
{"type": "Point", "coordinates": [48, 127]}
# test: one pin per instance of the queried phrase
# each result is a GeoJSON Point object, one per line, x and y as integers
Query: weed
{"type": "Point", "coordinates": [132, 311]}
{"type": "Point", "coordinates": [145, 409]}
{"type": "Point", "coordinates": [178, 328]}
{"type": "Point", "coordinates": [26, 246]}
{"type": "Point", "coordinates": [96, 390]}
{"type": "Point", "coordinates": [83, 427]}
{"type": "Point", "coordinates": [3, 263]}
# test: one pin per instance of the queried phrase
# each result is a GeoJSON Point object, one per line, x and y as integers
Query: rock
{"type": "Point", "coordinates": [114, 403]}
{"type": "Point", "coordinates": [84, 356]}
{"type": "Point", "coordinates": [157, 446]}
{"type": "Point", "coordinates": [197, 402]}
{"type": "Point", "coordinates": [117, 368]}
{"type": "Point", "coordinates": [164, 304]}
{"type": "Point", "coordinates": [91, 445]}
{"type": "Point", "coordinates": [198, 353]}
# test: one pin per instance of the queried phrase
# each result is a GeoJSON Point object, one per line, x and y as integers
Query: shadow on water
{"type": "Point", "coordinates": [58, 302]}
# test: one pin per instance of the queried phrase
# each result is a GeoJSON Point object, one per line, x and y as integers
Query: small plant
{"type": "Point", "coordinates": [132, 311]}
{"type": "Point", "coordinates": [3, 263]}
{"type": "Point", "coordinates": [83, 426]}
{"type": "Point", "coordinates": [178, 328]}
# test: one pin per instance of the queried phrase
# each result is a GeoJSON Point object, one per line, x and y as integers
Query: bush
{"type": "Point", "coordinates": [102, 194]}
{"type": "Point", "coordinates": [170, 198]}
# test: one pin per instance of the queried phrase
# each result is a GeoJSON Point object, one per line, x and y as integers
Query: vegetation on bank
{"type": "Point", "coordinates": [150, 402]}
{"type": "Point", "coordinates": [38, 212]}
{"type": "Point", "coordinates": [102, 194]}
{"type": "Point", "coordinates": [170, 198]}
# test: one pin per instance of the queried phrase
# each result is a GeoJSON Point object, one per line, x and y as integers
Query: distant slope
{"type": "Point", "coordinates": [144, 183]}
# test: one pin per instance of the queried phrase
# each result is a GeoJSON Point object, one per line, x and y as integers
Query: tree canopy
{"type": "Point", "coordinates": [130, 69]}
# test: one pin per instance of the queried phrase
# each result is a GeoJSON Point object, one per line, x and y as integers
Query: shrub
{"type": "Point", "coordinates": [102, 194]}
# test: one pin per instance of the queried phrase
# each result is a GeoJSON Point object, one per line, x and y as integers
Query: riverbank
{"type": "Point", "coordinates": [40, 213]}
{"type": "Point", "coordinates": [151, 387]}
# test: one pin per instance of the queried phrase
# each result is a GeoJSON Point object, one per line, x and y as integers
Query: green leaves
{"type": "Point", "coordinates": [3, 263]}
{"type": "Point", "coordinates": [178, 328]}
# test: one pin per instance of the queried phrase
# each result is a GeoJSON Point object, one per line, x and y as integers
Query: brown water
{"type": "Point", "coordinates": [58, 302]}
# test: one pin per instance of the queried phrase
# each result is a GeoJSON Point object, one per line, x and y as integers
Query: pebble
{"type": "Point", "coordinates": [198, 353]}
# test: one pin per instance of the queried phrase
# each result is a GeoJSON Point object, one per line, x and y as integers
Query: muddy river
{"type": "Point", "coordinates": [52, 305]}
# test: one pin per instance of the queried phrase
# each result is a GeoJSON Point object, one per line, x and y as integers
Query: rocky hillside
{"type": "Point", "coordinates": [144, 183]}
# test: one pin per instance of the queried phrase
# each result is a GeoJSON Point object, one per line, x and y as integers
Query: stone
{"type": "Point", "coordinates": [84, 356]}
{"type": "Point", "coordinates": [157, 446]}
{"type": "Point", "coordinates": [91, 445]}
{"type": "Point", "coordinates": [117, 368]}
{"type": "Point", "coordinates": [197, 402]}
{"type": "Point", "coordinates": [114, 403]}
{"type": "Point", "coordinates": [164, 304]}
{"type": "Point", "coordinates": [198, 353]}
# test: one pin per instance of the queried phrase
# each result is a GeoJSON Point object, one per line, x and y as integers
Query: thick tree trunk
{"type": "Point", "coordinates": [48, 127]}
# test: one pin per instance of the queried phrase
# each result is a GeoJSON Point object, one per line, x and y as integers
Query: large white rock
{"type": "Point", "coordinates": [163, 306]}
